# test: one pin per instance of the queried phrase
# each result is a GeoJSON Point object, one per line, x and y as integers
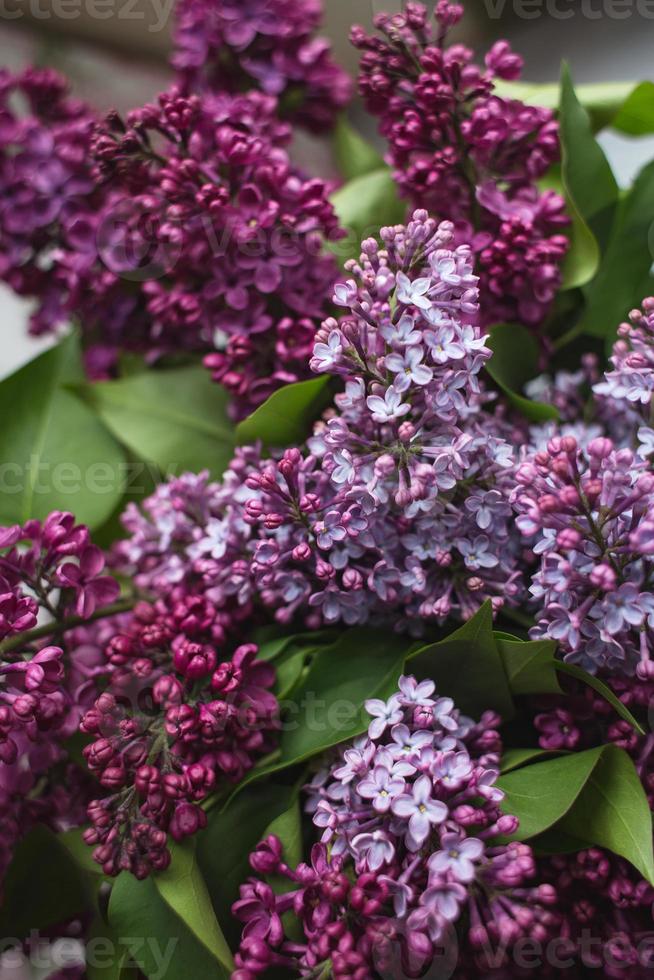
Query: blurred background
{"type": "Point", "coordinates": [114, 52]}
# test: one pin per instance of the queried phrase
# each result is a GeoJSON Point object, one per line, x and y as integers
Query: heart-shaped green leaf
{"type": "Point", "coordinates": [174, 418]}
{"type": "Point", "coordinates": [286, 418]}
{"type": "Point", "coordinates": [55, 454]}
{"type": "Point", "coordinates": [182, 887]}
{"type": "Point", "coordinates": [467, 666]}
{"type": "Point", "coordinates": [593, 796]}
{"type": "Point", "coordinates": [514, 362]}
{"type": "Point", "coordinates": [158, 940]}
{"type": "Point", "coordinates": [355, 156]}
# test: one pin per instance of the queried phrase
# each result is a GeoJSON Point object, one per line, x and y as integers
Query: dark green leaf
{"type": "Point", "coordinates": [106, 957]}
{"type": "Point", "coordinates": [272, 645]}
{"type": "Point", "coordinates": [636, 114]}
{"type": "Point", "coordinates": [587, 176]}
{"type": "Point", "coordinates": [582, 675]}
{"type": "Point", "coordinates": [613, 812]}
{"type": "Point", "coordinates": [355, 156]}
{"type": "Point", "coordinates": [541, 794]}
{"type": "Point", "coordinates": [532, 668]}
{"type": "Point", "coordinates": [529, 665]}
{"type": "Point", "coordinates": [556, 841]}
{"type": "Point", "coordinates": [286, 418]}
{"type": "Point", "coordinates": [625, 264]}
{"type": "Point", "coordinates": [514, 362]}
{"type": "Point", "coordinates": [327, 707]}
{"type": "Point", "coordinates": [182, 887]}
{"type": "Point", "coordinates": [230, 836]}
{"type": "Point", "coordinates": [467, 667]}
{"type": "Point", "coordinates": [54, 452]}
{"type": "Point", "coordinates": [176, 419]}
{"type": "Point", "coordinates": [157, 939]}
{"type": "Point", "coordinates": [288, 827]}
{"type": "Point", "coordinates": [363, 206]}
{"type": "Point", "coordinates": [43, 886]}
{"type": "Point", "coordinates": [593, 796]}
{"type": "Point", "coordinates": [516, 758]}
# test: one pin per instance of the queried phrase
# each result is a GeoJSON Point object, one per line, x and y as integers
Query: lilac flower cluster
{"type": "Point", "coordinates": [400, 508]}
{"type": "Point", "coordinates": [237, 231]}
{"type": "Point", "coordinates": [625, 395]}
{"type": "Point", "coordinates": [588, 514]}
{"type": "Point", "coordinates": [176, 723]}
{"type": "Point", "coordinates": [192, 231]}
{"type": "Point", "coordinates": [469, 155]}
{"type": "Point", "coordinates": [47, 191]}
{"type": "Point", "coordinates": [225, 46]}
{"type": "Point", "coordinates": [605, 900]}
{"type": "Point", "coordinates": [51, 569]}
{"type": "Point", "coordinates": [408, 815]}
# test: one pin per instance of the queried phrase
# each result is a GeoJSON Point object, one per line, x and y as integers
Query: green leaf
{"type": "Point", "coordinates": [602, 100]}
{"type": "Point", "coordinates": [593, 796]}
{"type": "Point", "coordinates": [636, 114]}
{"type": "Point", "coordinates": [54, 452]}
{"type": "Point", "coordinates": [516, 758]}
{"type": "Point", "coordinates": [587, 175]}
{"type": "Point", "coordinates": [106, 957]}
{"type": "Point", "coordinates": [225, 845]}
{"type": "Point", "coordinates": [529, 665]}
{"type": "Point", "coordinates": [182, 887]}
{"type": "Point", "coordinates": [363, 206]}
{"type": "Point", "coordinates": [34, 894]}
{"type": "Point", "coordinates": [626, 263]}
{"type": "Point", "coordinates": [288, 827]}
{"type": "Point", "coordinates": [327, 706]}
{"type": "Point", "coordinates": [467, 667]}
{"type": "Point", "coordinates": [556, 841]}
{"type": "Point", "coordinates": [582, 675]}
{"type": "Point", "coordinates": [355, 156]}
{"type": "Point", "coordinates": [613, 812]}
{"type": "Point", "coordinates": [79, 850]}
{"type": "Point", "coordinates": [175, 418]}
{"type": "Point", "coordinates": [532, 668]}
{"type": "Point", "coordinates": [286, 418]}
{"type": "Point", "coordinates": [540, 795]}
{"type": "Point", "coordinates": [514, 362]}
{"type": "Point", "coordinates": [157, 939]}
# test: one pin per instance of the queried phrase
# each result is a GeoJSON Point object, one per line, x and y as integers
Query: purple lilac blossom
{"type": "Point", "coordinates": [403, 854]}
{"type": "Point", "coordinates": [236, 45]}
{"type": "Point", "coordinates": [586, 513]}
{"type": "Point", "coordinates": [212, 243]}
{"type": "Point", "coordinates": [398, 506]}
{"type": "Point", "coordinates": [467, 154]}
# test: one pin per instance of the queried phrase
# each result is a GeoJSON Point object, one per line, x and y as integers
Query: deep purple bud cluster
{"type": "Point", "coordinates": [588, 515]}
{"type": "Point", "coordinates": [184, 227]}
{"type": "Point", "coordinates": [176, 723]}
{"type": "Point", "coordinates": [52, 569]}
{"type": "Point", "coordinates": [466, 154]}
{"type": "Point", "coordinates": [408, 816]}
{"type": "Point", "coordinates": [227, 235]}
{"type": "Point", "coordinates": [230, 46]}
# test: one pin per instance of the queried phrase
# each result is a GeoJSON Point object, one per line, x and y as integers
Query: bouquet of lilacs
{"type": "Point", "coordinates": [327, 544]}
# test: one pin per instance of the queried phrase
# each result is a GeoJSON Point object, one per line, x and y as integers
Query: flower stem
{"type": "Point", "coordinates": [47, 629]}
